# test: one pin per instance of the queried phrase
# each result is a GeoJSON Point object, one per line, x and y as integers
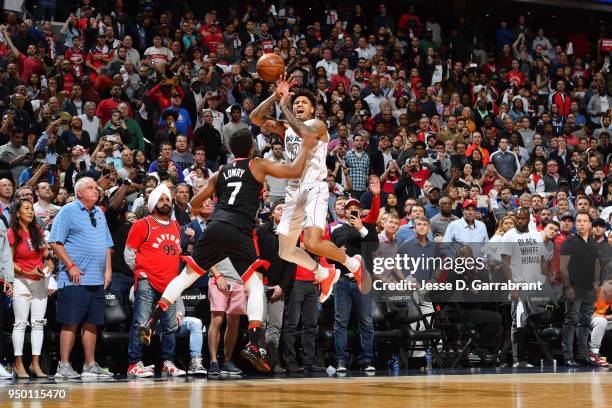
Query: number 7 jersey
{"type": "Point", "coordinates": [238, 194]}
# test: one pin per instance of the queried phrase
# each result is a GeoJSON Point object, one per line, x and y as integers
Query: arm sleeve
{"type": "Point", "coordinates": [129, 256]}
{"type": "Point", "coordinates": [374, 211]}
{"type": "Point", "coordinates": [136, 236]}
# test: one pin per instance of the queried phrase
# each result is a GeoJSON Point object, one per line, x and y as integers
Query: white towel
{"type": "Point", "coordinates": [156, 194]}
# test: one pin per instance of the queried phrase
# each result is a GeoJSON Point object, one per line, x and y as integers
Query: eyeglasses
{"type": "Point", "coordinates": [92, 219]}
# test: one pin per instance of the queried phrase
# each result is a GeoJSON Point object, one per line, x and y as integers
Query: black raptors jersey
{"type": "Point", "coordinates": [238, 193]}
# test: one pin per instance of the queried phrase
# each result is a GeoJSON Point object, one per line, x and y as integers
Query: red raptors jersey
{"type": "Point", "coordinates": [158, 250]}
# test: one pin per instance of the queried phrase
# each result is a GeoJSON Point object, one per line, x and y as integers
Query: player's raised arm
{"type": "Point", "coordinates": [262, 112]}
{"type": "Point", "coordinates": [261, 115]}
{"type": "Point", "coordinates": [205, 193]}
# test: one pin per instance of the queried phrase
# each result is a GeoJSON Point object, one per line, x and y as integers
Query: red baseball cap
{"type": "Point", "coordinates": [467, 203]}
{"type": "Point", "coordinates": [352, 201]}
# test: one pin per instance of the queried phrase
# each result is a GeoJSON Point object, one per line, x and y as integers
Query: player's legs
{"type": "Point", "coordinates": [314, 227]}
{"type": "Point", "coordinates": [244, 256]}
{"type": "Point", "coordinates": [290, 228]}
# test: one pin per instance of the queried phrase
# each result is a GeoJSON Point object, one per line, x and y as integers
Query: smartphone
{"type": "Point", "coordinates": [111, 138]}
{"type": "Point", "coordinates": [106, 172]}
{"type": "Point", "coordinates": [355, 213]}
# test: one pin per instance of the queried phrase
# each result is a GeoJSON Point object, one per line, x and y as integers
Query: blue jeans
{"type": "Point", "coordinates": [192, 327]}
{"type": "Point", "coordinates": [145, 298]}
{"type": "Point", "coordinates": [346, 293]}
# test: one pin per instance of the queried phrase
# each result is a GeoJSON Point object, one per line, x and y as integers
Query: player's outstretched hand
{"type": "Point", "coordinates": [283, 85]}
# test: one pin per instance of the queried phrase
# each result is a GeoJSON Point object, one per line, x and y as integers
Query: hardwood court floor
{"type": "Point", "coordinates": [540, 390]}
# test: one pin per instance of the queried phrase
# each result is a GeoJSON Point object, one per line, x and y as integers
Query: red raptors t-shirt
{"type": "Point", "coordinates": [158, 251]}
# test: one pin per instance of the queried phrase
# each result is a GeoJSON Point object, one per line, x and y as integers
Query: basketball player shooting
{"type": "Point", "coordinates": [307, 195]}
{"type": "Point", "coordinates": [230, 234]}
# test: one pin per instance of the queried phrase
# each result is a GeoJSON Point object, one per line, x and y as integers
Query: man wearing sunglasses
{"type": "Point", "coordinates": [81, 240]}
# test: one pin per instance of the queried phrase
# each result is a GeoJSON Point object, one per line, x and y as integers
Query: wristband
{"type": "Point", "coordinates": [69, 267]}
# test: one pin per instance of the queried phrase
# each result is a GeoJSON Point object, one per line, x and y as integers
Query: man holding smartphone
{"type": "Point", "coordinates": [351, 236]}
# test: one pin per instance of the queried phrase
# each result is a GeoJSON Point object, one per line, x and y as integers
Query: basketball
{"type": "Point", "coordinates": [270, 67]}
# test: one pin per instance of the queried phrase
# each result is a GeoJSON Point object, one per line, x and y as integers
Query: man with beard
{"type": "Point", "coordinates": [153, 250]}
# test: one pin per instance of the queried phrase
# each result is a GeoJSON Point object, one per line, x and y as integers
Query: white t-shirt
{"type": "Point", "coordinates": [42, 212]}
{"type": "Point", "coordinates": [159, 55]}
{"type": "Point", "coordinates": [92, 127]}
{"type": "Point", "coordinates": [526, 250]}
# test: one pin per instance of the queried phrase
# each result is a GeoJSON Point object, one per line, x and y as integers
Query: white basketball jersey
{"type": "Point", "coordinates": [315, 170]}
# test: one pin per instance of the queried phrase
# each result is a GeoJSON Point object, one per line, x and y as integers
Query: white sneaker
{"type": "Point", "coordinates": [95, 371]}
{"type": "Point", "coordinates": [5, 374]}
{"type": "Point", "coordinates": [171, 370]}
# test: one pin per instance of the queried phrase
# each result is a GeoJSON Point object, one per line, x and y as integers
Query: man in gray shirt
{"type": "Point", "coordinates": [15, 154]}
{"type": "Point", "coordinates": [527, 133]}
{"type": "Point", "coordinates": [440, 221]}
{"type": "Point", "coordinates": [232, 127]}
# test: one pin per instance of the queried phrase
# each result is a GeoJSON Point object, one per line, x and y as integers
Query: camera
{"type": "Point", "coordinates": [141, 177]}
{"type": "Point", "coordinates": [163, 174]}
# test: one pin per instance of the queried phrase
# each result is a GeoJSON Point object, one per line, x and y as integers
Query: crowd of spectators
{"type": "Point", "coordinates": [460, 130]}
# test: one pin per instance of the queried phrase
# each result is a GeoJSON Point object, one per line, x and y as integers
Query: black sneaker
{"type": "Point", "coordinates": [213, 370]}
{"type": "Point", "coordinates": [294, 368]}
{"type": "Point", "coordinates": [586, 362]}
{"type": "Point", "coordinates": [257, 357]}
{"type": "Point", "coordinates": [315, 368]}
{"type": "Point", "coordinates": [366, 365]}
{"type": "Point", "coordinates": [230, 369]}
{"type": "Point", "coordinates": [571, 363]}
{"type": "Point", "coordinates": [278, 369]}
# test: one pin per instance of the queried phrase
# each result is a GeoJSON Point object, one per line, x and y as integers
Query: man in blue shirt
{"type": "Point", "coordinates": [432, 208]}
{"type": "Point", "coordinates": [406, 232]}
{"type": "Point", "coordinates": [467, 230]}
{"type": "Point", "coordinates": [81, 240]}
{"type": "Point", "coordinates": [421, 246]}
{"type": "Point", "coordinates": [179, 115]}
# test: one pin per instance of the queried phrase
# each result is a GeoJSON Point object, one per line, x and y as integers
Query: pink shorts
{"type": "Point", "coordinates": [233, 303]}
